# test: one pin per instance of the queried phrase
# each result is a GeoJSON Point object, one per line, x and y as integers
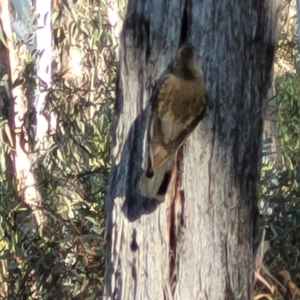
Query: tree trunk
{"type": "Point", "coordinates": [197, 244]}
{"type": "Point", "coordinates": [25, 177]}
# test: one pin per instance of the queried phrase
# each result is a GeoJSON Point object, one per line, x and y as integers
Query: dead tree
{"type": "Point", "coordinates": [198, 243]}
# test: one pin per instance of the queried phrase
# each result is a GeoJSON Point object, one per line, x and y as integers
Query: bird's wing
{"type": "Point", "coordinates": [177, 108]}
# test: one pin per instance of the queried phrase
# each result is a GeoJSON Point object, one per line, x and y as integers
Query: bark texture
{"type": "Point", "coordinates": [198, 243]}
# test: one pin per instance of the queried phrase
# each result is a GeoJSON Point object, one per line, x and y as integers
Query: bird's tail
{"type": "Point", "coordinates": [157, 186]}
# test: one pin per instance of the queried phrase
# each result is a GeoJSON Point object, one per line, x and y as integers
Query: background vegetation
{"type": "Point", "coordinates": [66, 259]}
{"type": "Point", "coordinates": [278, 255]}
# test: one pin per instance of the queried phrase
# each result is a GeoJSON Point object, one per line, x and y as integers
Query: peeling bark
{"type": "Point", "coordinates": [198, 243]}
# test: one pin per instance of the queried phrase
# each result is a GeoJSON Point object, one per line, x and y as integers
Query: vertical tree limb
{"type": "Point", "coordinates": [26, 183]}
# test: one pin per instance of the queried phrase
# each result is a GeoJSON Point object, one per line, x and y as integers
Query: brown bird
{"type": "Point", "coordinates": [177, 106]}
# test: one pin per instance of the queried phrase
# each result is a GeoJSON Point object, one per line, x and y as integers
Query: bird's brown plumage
{"type": "Point", "coordinates": [177, 106]}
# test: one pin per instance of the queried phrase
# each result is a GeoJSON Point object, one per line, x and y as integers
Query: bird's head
{"type": "Point", "coordinates": [185, 64]}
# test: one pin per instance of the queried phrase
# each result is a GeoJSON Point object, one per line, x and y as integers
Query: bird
{"type": "Point", "coordinates": [177, 106]}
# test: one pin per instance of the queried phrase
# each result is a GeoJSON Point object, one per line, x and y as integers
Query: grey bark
{"type": "Point", "coordinates": [198, 244]}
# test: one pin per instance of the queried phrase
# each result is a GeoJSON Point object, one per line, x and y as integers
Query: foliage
{"type": "Point", "coordinates": [280, 178]}
{"type": "Point", "coordinates": [279, 207]}
{"type": "Point", "coordinates": [72, 167]}
{"type": "Point", "coordinates": [280, 197]}
{"type": "Point", "coordinates": [288, 102]}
